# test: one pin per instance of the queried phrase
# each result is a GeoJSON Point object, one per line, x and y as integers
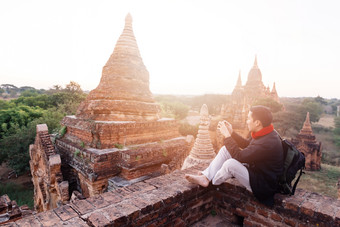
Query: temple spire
{"type": "Point", "coordinates": [239, 81]}
{"type": "Point", "coordinates": [255, 62]}
{"type": "Point", "coordinates": [307, 127]}
{"type": "Point", "coordinates": [274, 88]}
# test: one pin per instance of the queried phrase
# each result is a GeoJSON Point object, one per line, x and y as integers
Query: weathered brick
{"type": "Point", "coordinates": [307, 208]}
{"type": "Point", "coordinates": [146, 218]}
{"type": "Point", "coordinates": [262, 212]}
{"type": "Point", "coordinates": [326, 210]}
{"type": "Point", "coordinates": [260, 220]}
{"type": "Point", "coordinates": [111, 197]}
{"type": "Point", "coordinates": [30, 221]}
{"type": "Point", "coordinates": [337, 217]}
{"type": "Point", "coordinates": [113, 213]}
{"type": "Point", "coordinates": [82, 206]}
{"type": "Point", "coordinates": [65, 212]}
{"type": "Point", "coordinates": [98, 201]}
{"type": "Point", "coordinates": [250, 208]}
{"type": "Point", "coordinates": [98, 219]}
{"type": "Point", "coordinates": [240, 212]}
{"type": "Point", "coordinates": [275, 217]}
{"type": "Point", "coordinates": [290, 222]}
{"type": "Point", "coordinates": [48, 218]}
{"type": "Point", "coordinates": [248, 223]}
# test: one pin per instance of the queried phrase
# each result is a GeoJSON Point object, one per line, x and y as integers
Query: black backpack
{"type": "Point", "coordinates": [294, 160]}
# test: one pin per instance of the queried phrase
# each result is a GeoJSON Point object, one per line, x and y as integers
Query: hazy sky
{"type": "Point", "coordinates": [188, 47]}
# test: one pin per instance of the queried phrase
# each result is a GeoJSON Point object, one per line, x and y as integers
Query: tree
{"type": "Point", "coordinates": [14, 146]}
{"type": "Point", "coordinates": [175, 110]}
{"type": "Point", "coordinates": [295, 114]}
{"type": "Point", "coordinates": [73, 87]}
{"type": "Point", "coordinates": [270, 103]}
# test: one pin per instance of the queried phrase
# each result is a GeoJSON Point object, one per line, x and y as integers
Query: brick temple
{"type": "Point", "coordinates": [243, 96]}
{"type": "Point", "coordinates": [117, 134]}
{"type": "Point", "coordinates": [306, 142]}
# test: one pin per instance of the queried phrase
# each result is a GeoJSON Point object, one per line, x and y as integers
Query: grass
{"type": "Point", "coordinates": [330, 152]}
{"type": "Point", "coordinates": [323, 182]}
{"type": "Point", "coordinates": [19, 193]}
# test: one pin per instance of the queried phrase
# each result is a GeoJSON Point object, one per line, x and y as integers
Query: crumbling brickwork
{"type": "Point", "coordinates": [10, 211]}
{"type": "Point", "coordinates": [170, 200]}
{"type": "Point", "coordinates": [306, 142]}
{"type": "Point", "coordinates": [50, 191]}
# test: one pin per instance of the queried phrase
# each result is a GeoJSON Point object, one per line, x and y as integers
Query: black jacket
{"type": "Point", "coordinates": [265, 158]}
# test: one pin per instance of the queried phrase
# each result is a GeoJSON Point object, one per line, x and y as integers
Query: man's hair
{"type": "Point", "coordinates": [262, 114]}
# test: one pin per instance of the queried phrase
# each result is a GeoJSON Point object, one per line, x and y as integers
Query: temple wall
{"type": "Point", "coordinates": [50, 190]}
{"type": "Point", "coordinates": [106, 134]}
{"type": "Point", "coordinates": [169, 200]}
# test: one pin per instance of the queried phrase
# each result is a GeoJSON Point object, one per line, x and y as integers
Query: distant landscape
{"type": "Point", "coordinates": [22, 108]}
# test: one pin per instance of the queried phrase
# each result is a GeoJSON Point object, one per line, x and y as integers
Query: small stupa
{"type": "Point", "coordinates": [202, 151]}
{"type": "Point", "coordinates": [306, 142]}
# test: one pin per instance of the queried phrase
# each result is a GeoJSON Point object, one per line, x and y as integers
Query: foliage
{"type": "Point", "coordinates": [213, 101]}
{"type": "Point", "coordinates": [77, 153]}
{"type": "Point", "coordinates": [175, 110]}
{"type": "Point", "coordinates": [295, 114]}
{"type": "Point", "coordinates": [20, 194]}
{"type": "Point", "coordinates": [336, 131]}
{"type": "Point", "coordinates": [14, 147]}
{"type": "Point", "coordinates": [19, 117]}
{"type": "Point", "coordinates": [270, 103]}
{"type": "Point", "coordinates": [16, 117]}
{"type": "Point", "coordinates": [119, 146]}
{"type": "Point", "coordinates": [62, 131]}
{"type": "Point", "coordinates": [187, 129]}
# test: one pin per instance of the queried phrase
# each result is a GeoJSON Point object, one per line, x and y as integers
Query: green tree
{"type": "Point", "coordinates": [295, 114]}
{"type": "Point", "coordinates": [14, 147]}
{"type": "Point", "coordinates": [16, 117]}
{"type": "Point", "coordinates": [270, 103]}
{"type": "Point", "coordinates": [175, 110]}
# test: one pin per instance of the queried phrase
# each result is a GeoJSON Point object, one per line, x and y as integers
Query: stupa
{"type": "Point", "coordinates": [306, 143]}
{"type": "Point", "coordinates": [117, 130]}
{"type": "Point", "coordinates": [203, 151]}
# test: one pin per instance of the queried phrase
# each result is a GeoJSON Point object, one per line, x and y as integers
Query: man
{"type": "Point", "coordinates": [262, 157]}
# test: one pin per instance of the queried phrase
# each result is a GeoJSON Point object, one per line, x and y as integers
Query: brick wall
{"type": "Point", "coordinates": [169, 200]}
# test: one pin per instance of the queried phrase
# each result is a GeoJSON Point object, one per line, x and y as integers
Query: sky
{"type": "Point", "coordinates": [189, 47]}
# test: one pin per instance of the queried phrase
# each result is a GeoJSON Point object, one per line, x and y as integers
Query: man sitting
{"type": "Point", "coordinates": [256, 163]}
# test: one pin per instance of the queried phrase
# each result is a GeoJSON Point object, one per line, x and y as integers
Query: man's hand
{"type": "Point", "coordinates": [229, 126]}
{"type": "Point", "coordinates": [223, 129]}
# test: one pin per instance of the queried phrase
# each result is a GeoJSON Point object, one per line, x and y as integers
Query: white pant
{"type": "Point", "coordinates": [224, 167]}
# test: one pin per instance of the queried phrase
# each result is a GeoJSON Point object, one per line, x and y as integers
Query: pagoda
{"type": "Point", "coordinates": [202, 151]}
{"type": "Point", "coordinates": [306, 142]}
{"type": "Point", "coordinates": [118, 131]}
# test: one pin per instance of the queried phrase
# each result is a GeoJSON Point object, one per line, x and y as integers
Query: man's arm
{"type": "Point", "coordinates": [241, 142]}
{"type": "Point", "coordinates": [247, 155]}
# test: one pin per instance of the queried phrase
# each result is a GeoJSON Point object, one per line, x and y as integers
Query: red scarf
{"type": "Point", "coordinates": [262, 132]}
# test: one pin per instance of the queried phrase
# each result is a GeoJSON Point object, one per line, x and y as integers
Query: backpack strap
{"type": "Point", "coordinates": [278, 134]}
{"type": "Point", "coordinates": [296, 182]}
